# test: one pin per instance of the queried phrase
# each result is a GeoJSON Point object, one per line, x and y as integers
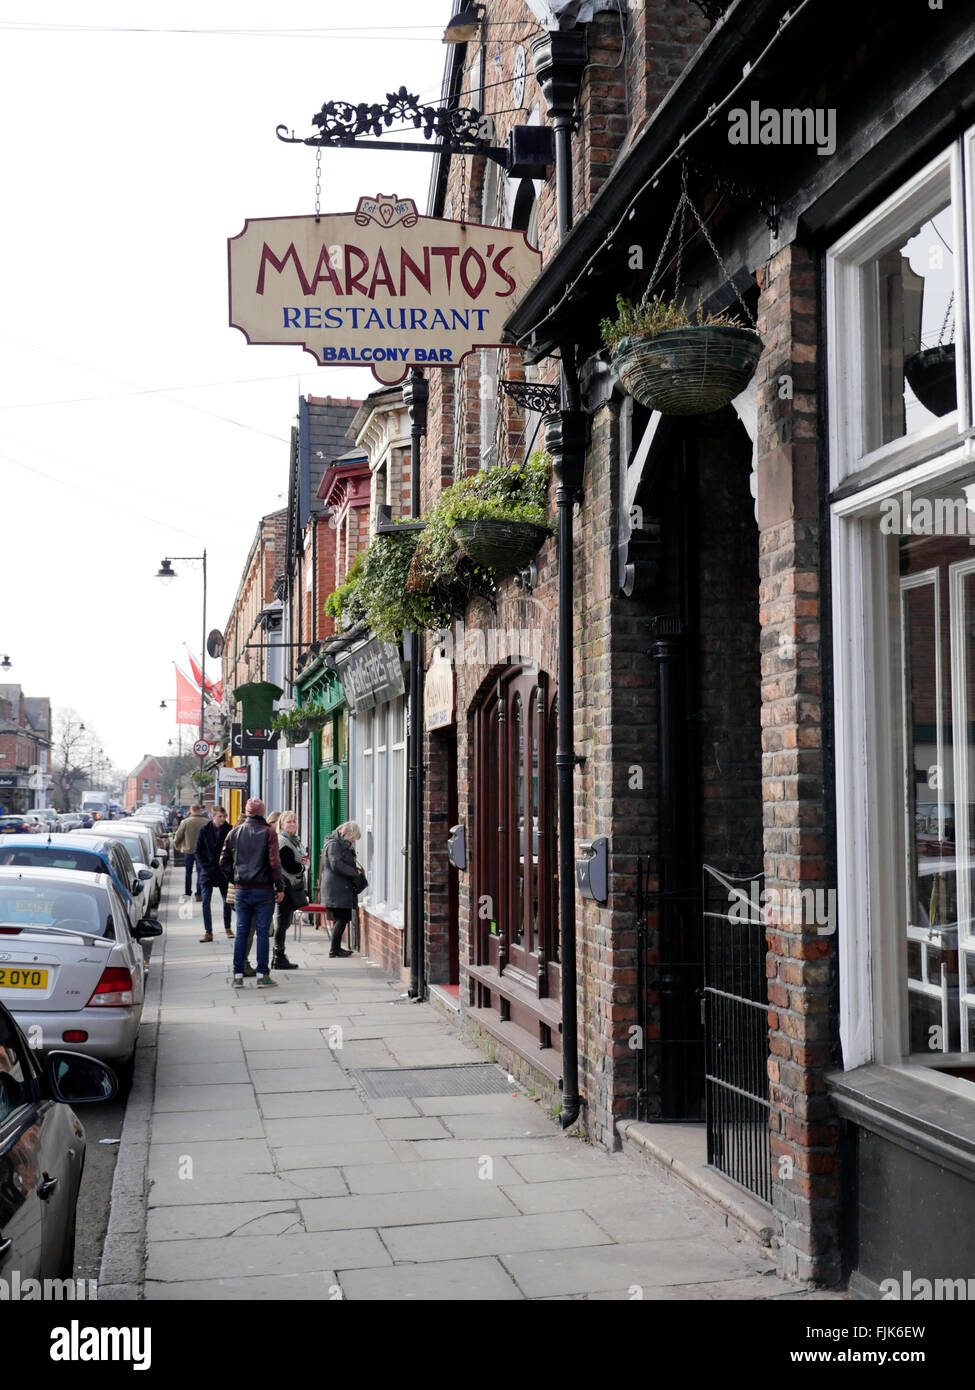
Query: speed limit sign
{"type": "Point", "coordinates": [201, 748]}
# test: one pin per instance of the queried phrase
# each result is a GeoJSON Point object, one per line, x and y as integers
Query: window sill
{"type": "Point", "coordinates": [920, 1109]}
{"type": "Point", "coordinates": [383, 914]}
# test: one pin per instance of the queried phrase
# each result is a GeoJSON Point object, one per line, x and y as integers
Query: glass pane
{"type": "Point", "coordinates": [537, 703]}
{"type": "Point", "coordinates": [913, 280]}
{"type": "Point", "coordinates": [518, 786]}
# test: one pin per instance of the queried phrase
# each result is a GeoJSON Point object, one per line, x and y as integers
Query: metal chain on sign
{"type": "Point", "coordinates": [318, 182]}
{"type": "Point", "coordinates": [463, 190]}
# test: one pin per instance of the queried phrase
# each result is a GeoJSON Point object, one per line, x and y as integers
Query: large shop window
{"type": "Point", "coordinates": [903, 554]}
{"type": "Point", "coordinates": [378, 795]}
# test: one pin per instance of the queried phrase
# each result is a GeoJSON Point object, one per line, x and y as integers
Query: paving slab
{"type": "Point", "coordinates": [406, 1208]}
{"type": "Point", "coordinates": [210, 1159]}
{"type": "Point", "coordinates": [390, 1107]}
{"type": "Point", "coordinates": [279, 1288]}
{"type": "Point", "coordinates": [580, 1194]}
{"type": "Point", "coordinates": [174, 1075]}
{"type": "Point", "coordinates": [477, 1281]}
{"type": "Point", "coordinates": [246, 1256]}
{"type": "Point", "coordinates": [475, 1148]}
{"type": "Point", "coordinates": [333, 1155]}
{"type": "Point", "coordinates": [294, 1059]}
{"type": "Point", "coordinates": [285, 1105]}
{"type": "Point", "coordinates": [322, 1129]}
{"type": "Point", "coordinates": [500, 1125]}
{"type": "Point", "coordinates": [268, 1080]}
{"type": "Point", "coordinates": [555, 1162]}
{"type": "Point", "coordinates": [176, 1053]}
{"type": "Point", "coordinates": [427, 1174]}
{"type": "Point", "coordinates": [303, 1035]}
{"type": "Point", "coordinates": [463, 1239]}
{"type": "Point", "coordinates": [419, 1127]}
{"type": "Point", "coordinates": [497, 1103]}
{"type": "Point", "coordinates": [191, 1126]}
{"type": "Point", "coordinates": [229, 1097]}
{"type": "Point", "coordinates": [247, 1187]}
{"type": "Point", "coordinates": [648, 1265]}
{"type": "Point", "coordinates": [226, 1219]}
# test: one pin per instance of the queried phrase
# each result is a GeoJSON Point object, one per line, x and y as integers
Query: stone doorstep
{"type": "Point", "coordinates": [682, 1150]}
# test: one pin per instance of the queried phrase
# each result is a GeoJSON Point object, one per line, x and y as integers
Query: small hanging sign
{"type": "Point", "coordinates": [380, 287]}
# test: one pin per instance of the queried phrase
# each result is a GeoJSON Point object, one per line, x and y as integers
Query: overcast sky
{"type": "Point", "coordinates": [129, 159]}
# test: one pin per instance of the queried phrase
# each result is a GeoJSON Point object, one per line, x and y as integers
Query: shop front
{"type": "Point", "coordinates": [320, 694]}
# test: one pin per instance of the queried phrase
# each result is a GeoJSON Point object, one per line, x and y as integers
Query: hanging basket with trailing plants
{"type": "Point", "coordinates": [292, 723]}
{"type": "Point", "coordinates": [487, 525]}
{"type": "Point", "coordinates": [678, 365]}
{"type": "Point", "coordinates": [670, 360]}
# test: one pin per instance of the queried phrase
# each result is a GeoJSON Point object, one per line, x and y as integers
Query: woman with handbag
{"type": "Point", "coordinates": [293, 858]}
{"type": "Point", "coordinates": [342, 881]}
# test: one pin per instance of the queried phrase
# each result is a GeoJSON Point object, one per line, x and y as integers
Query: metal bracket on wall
{"type": "Point", "coordinates": [536, 396]}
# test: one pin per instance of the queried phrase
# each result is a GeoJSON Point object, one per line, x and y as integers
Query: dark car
{"type": "Point", "coordinates": [42, 1153]}
{"type": "Point", "coordinates": [17, 824]}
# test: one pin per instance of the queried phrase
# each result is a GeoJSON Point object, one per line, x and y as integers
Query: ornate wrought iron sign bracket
{"type": "Point", "coordinates": [344, 125]}
{"type": "Point", "coordinates": [535, 396]}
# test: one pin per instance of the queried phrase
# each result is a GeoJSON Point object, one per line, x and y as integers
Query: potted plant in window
{"type": "Point", "coordinates": [676, 363]}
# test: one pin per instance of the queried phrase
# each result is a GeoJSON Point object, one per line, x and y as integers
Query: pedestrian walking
{"type": "Point", "coordinates": [250, 858]}
{"type": "Point", "coordinates": [209, 873]}
{"type": "Point", "coordinates": [342, 881]}
{"type": "Point", "coordinates": [293, 860]}
{"type": "Point", "coordinates": [187, 835]}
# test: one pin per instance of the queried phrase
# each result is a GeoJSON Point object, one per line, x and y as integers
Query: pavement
{"type": "Point", "coordinates": [255, 1163]}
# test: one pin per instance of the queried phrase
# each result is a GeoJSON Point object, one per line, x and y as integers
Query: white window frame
{"type": "Point", "coordinates": [867, 698]}
{"type": "Point", "coordinates": [379, 733]}
{"type": "Point", "coordinates": [853, 327]}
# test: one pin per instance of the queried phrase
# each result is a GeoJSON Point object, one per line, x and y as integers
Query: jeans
{"type": "Point", "coordinates": [253, 905]}
{"type": "Point", "coordinates": [207, 892]}
{"type": "Point", "coordinates": [190, 860]}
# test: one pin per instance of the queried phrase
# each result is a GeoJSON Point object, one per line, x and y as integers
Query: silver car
{"type": "Point", "coordinates": [140, 842]}
{"type": "Point", "coordinates": [71, 970]}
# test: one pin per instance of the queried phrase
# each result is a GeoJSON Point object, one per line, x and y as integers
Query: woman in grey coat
{"type": "Point", "coordinates": [339, 874]}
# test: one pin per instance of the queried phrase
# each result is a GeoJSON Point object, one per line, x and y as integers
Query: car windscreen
{"type": "Point", "coordinates": [26, 902]}
{"type": "Point", "coordinates": [135, 847]}
{"type": "Point", "coordinates": [57, 857]}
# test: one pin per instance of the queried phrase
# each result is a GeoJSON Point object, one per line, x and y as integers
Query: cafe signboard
{"type": "Point", "coordinates": [381, 287]}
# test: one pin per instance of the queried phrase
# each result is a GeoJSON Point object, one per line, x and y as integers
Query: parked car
{"type": "Point", "coordinates": [42, 1152]}
{"type": "Point", "coordinates": [70, 967]}
{"type": "Point", "coordinates": [48, 817]}
{"type": "Point", "coordinates": [71, 820]}
{"type": "Point", "coordinates": [17, 824]}
{"type": "Point", "coordinates": [161, 836]}
{"type": "Point", "coordinates": [89, 854]}
{"type": "Point", "coordinates": [139, 842]}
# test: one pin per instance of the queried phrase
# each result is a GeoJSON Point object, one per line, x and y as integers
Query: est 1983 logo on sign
{"type": "Point", "coordinates": [380, 287]}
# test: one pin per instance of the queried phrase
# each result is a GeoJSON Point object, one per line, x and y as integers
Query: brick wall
{"type": "Point", "coordinates": [801, 963]}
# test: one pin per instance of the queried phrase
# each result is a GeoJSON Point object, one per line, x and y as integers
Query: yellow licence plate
{"type": "Point", "coordinates": [22, 977]}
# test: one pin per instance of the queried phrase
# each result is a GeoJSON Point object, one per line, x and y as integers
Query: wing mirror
{"type": "Point", "coordinates": [154, 863]}
{"type": "Point", "coordinates": [149, 926]}
{"type": "Point", "coordinates": [78, 1080]}
{"type": "Point", "coordinates": [136, 888]}
{"type": "Point", "coordinates": [145, 875]}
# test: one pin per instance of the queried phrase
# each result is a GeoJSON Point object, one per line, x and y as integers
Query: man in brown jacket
{"type": "Point", "coordinates": [186, 837]}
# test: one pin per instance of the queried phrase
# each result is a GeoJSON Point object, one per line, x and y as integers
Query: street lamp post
{"type": "Point", "coordinates": [166, 573]}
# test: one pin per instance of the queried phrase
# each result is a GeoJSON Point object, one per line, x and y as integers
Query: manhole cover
{"type": "Point", "coordinates": [477, 1079]}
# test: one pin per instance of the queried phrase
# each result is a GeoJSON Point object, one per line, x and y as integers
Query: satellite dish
{"type": "Point", "coordinates": [215, 643]}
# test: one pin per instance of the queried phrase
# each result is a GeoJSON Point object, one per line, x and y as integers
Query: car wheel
{"type": "Point", "coordinates": [124, 1071]}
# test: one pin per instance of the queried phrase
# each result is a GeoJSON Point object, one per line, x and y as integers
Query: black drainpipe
{"type": "Point", "coordinates": [559, 60]}
{"type": "Point", "coordinates": [415, 394]}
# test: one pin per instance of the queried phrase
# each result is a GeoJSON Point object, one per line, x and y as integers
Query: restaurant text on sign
{"type": "Point", "coordinates": [381, 287]}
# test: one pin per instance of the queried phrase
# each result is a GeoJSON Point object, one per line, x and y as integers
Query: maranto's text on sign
{"type": "Point", "coordinates": [382, 286]}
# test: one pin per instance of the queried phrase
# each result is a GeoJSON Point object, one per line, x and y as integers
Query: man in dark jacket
{"type": "Point", "coordinates": [208, 849]}
{"type": "Point", "coordinates": [250, 857]}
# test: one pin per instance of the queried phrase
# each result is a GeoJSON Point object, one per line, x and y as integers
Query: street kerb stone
{"type": "Point", "coordinates": [246, 1256]}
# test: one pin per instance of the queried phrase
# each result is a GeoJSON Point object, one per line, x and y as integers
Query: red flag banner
{"type": "Point", "coordinates": [187, 700]}
{"type": "Point", "coordinates": [213, 690]}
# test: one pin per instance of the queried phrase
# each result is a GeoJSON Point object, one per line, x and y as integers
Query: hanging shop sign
{"type": "Point", "coordinates": [438, 694]}
{"type": "Point", "coordinates": [233, 776]}
{"type": "Point", "coordinates": [371, 674]}
{"type": "Point", "coordinates": [380, 287]}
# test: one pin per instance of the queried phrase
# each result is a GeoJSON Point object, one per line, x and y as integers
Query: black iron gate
{"type": "Point", "coordinates": [736, 1029]}
{"type": "Point", "coordinates": [670, 980]}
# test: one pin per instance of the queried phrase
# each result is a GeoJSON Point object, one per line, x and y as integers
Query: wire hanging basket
{"type": "Point", "coordinates": [502, 546]}
{"type": "Point", "coordinates": [930, 373]}
{"type": "Point", "coordinates": [688, 371]}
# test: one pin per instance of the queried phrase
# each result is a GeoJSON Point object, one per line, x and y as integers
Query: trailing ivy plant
{"type": "Point", "coordinates": [657, 315]}
{"type": "Point", "coordinates": [422, 581]}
